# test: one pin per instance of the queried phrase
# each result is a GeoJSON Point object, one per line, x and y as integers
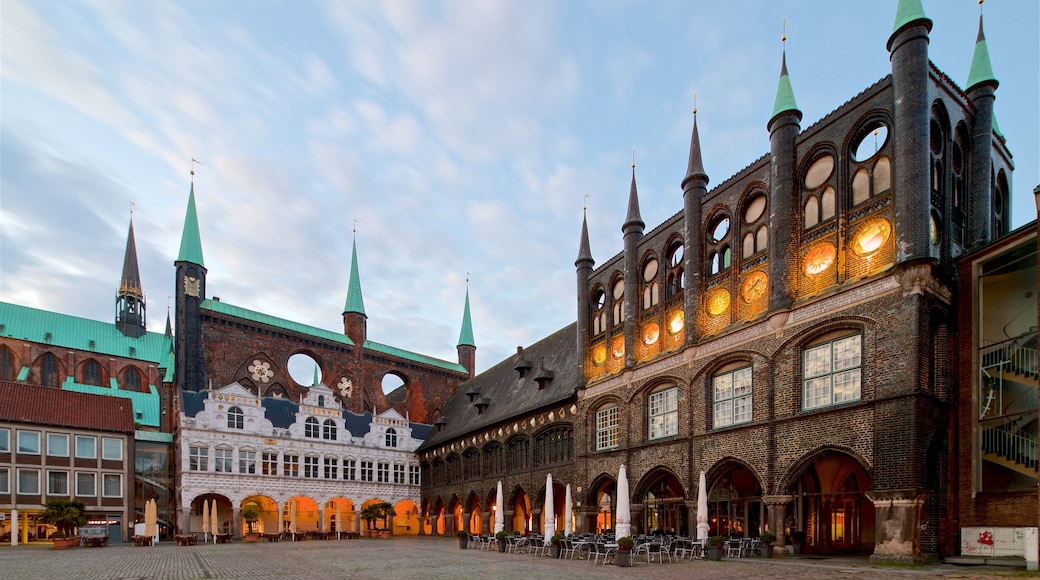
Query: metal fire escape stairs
{"type": "Point", "coordinates": [1008, 405]}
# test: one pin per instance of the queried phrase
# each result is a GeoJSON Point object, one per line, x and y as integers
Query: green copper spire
{"type": "Point", "coordinates": [784, 93]}
{"type": "Point", "coordinates": [981, 70]}
{"type": "Point", "coordinates": [191, 241]}
{"type": "Point", "coordinates": [466, 336]}
{"type": "Point", "coordinates": [354, 303]}
{"type": "Point", "coordinates": [315, 381]}
{"type": "Point", "coordinates": [907, 12]}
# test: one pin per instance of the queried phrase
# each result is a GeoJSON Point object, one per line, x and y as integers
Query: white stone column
{"type": "Point", "coordinates": [14, 527]}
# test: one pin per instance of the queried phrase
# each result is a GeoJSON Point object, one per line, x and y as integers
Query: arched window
{"type": "Point", "coordinates": [6, 364]}
{"type": "Point", "coordinates": [651, 291]}
{"type": "Point", "coordinates": [607, 427]}
{"type": "Point", "coordinates": [48, 370]}
{"type": "Point", "coordinates": [132, 380]}
{"type": "Point", "coordinates": [391, 437]}
{"type": "Point", "coordinates": [328, 430]}
{"type": "Point", "coordinates": [518, 456]}
{"type": "Point", "coordinates": [553, 446]}
{"type": "Point", "coordinates": [310, 428]}
{"type": "Point", "coordinates": [471, 464]}
{"type": "Point", "coordinates": [493, 459]}
{"type": "Point", "coordinates": [321, 400]}
{"type": "Point", "coordinates": [235, 418]}
{"type": "Point", "coordinates": [92, 373]}
{"type": "Point", "coordinates": [676, 279]}
{"type": "Point", "coordinates": [619, 302]}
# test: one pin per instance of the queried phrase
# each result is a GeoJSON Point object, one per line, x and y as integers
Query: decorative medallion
{"type": "Point", "coordinates": [819, 258]}
{"type": "Point", "coordinates": [618, 347]}
{"type": "Point", "coordinates": [345, 387]}
{"type": "Point", "coordinates": [651, 332]}
{"type": "Point", "coordinates": [676, 323]}
{"type": "Point", "coordinates": [552, 416]}
{"type": "Point", "coordinates": [192, 286]}
{"type": "Point", "coordinates": [718, 302]}
{"type": "Point", "coordinates": [574, 409]}
{"type": "Point", "coordinates": [261, 371]}
{"type": "Point", "coordinates": [754, 286]}
{"type": "Point", "coordinates": [599, 355]}
{"type": "Point", "coordinates": [871, 237]}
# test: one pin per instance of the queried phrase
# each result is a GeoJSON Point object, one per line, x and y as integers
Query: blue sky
{"type": "Point", "coordinates": [462, 137]}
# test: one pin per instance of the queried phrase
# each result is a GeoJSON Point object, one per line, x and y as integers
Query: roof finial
{"type": "Point", "coordinates": [132, 211]}
{"type": "Point", "coordinates": [694, 103]}
{"type": "Point", "coordinates": [467, 281]}
{"type": "Point", "coordinates": [783, 37]}
{"type": "Point", "coordinates": [633, 158]}
{"type": "Point", "coordinates": [356, 222]}
{"type": "Point", "coordinates": [193, 162]}
{"type": "Point", "coordinates": [585, 204]}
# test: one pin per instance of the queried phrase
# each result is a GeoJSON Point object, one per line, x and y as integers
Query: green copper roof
{"type": "Point", "coordinates": [153, 436]}
{"type": "Point", "coordinates": [996, 127]}
{"type": "Point", "coordinates": [146, 405]}
{"type": "Point", "coordinates": [64, 331]}
{"type": "Point", "coordinates": [466, 336]}
{"type": "Point", "coordinates": [415, 357]}
{"type": "Point", "coordinates": [314, 381]}
{"type": "Point", "coordinates": [354, 303]}
{"type": "Point", "coordinates": [784, 93]}
{"type": "Point", "coordinates": [191, 241]}
{"type": "Point", "coordinates": [238, 312]}
{"type": "Point", "coordinates": [907, 12]}
{"type": "Point", "coordinates": [981, 70]}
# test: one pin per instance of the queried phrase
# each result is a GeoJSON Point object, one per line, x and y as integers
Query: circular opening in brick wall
{"type": "Point", "coordinates": [303, 369]}
{"type": "Point", "coordinates": [393, 388]}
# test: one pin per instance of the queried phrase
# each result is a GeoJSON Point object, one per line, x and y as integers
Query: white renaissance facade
{"type": "Point", "coordinates": [273, 466]}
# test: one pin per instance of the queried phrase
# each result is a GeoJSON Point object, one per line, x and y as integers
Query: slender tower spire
{"type": "Point", "coordinates": [467, 346]}
{"type": "Point", "coordinates": [583, 264]}
{"type": "Point", "coordinates": [130, 303]}
{"type": "Point", "coordinates": [783, 129]}
{"type": "Point", "coordinates": [633, 231]}
{"type": "Point", "coordinates": [982, 91]}
{"type": "Point", "coordinates": [189, 294]}
{"type": "Point", "coordinates": [355, 321]}
{"type": "Point", "coordinates": [695, 187]}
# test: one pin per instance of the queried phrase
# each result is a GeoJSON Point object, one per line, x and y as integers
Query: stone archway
{"type": "Point", "coordinates": [831, 512]}
{"type": "Point", "coordinates": [663, 500]}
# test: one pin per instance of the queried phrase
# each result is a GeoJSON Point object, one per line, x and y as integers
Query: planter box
{"type": "Point", "coordinates": [714, 554]}
{"type": "Point", "coordinates": [65, 543]}
{"type": "Point", "coordinates": [624, 559]}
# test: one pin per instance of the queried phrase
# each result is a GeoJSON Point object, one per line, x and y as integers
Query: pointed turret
{"type": "Point", "coordinates": [981, 70]}
{"type": "Point", "coordinates": [315, 381]}
{"type": "Point", "coordinates": [906, 12]}
{"type": "Point", "coordinates": [467, 346]}
{"type": "Point", "coordinates": [191, 241]}
{"type": "Point", "coordinates": [583, 264]}
{"type": "Point", "coordinates": [784, 100]}
{"type": "Point", "coordinates": [633, 218]}
{"type": "Point", "coordinates": [355, 303]}
{"type": "Point", "coordinates": [695, 187]}
{"type": "Point", "coordinates": [355, 321]}
{"type": "Point", "coordinates": [130, 304]}
{"type": "Point", "coordinates": [783, 127]}
{"type": "Point", "coordinates": [981, 90]}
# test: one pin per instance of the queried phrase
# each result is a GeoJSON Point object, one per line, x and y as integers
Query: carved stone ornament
{"type": "Point", "coordinates": [192, 286]}
{"type": "Point", "coordinates": [261, 371]}
{"type": "Point", "coordinates": [345, 387]}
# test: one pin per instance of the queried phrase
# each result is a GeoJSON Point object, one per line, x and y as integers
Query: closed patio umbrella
{"type": "Point", "coordinates": [624, 508]}
{"type": "Point", "coordinates": [500, 512]}
{"type": "Point", "coordinates": [149, 518]}
{"type": "Point", "coordinates": [292, 519]}
{"type": "Point", "coordinates": [702, 509]}
{"type": "Point", "coordinates": [549, 510]}
{"type": "Point", "coordinates": [214, 522]}
{"type": "Point", "coordinates": [568, 507]}
{"type": "Point", "coordinates": [205, 520]}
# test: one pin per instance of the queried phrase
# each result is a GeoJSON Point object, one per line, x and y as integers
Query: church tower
{"type": "Point", "coordinates": [130, 304]}
{"type": "Point", "coordinates": [355, 321]}
{"type": "Point", "coordinates": [189, 293]}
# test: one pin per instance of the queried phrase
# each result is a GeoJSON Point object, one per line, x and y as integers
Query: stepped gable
{"type": "Point", "coordinates": [507, 394]}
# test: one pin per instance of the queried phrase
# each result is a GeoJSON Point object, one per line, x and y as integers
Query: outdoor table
{"type": "Point", "coordinates": [223, 538]}
{"type": "Point", "coordinates": [186, 540]}
{"type": "Point", "coordinates": [141, 540]}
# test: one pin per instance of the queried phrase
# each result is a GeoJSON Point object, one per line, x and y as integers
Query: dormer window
{"type": "Point", "coordinates": [473, 392]}
{"type": "Point", "coordinates": [440, 423]}
{"type": "Point", "coordinates": [522, 365]}
{"type": "Point", "coordinates": [543, 377]}
{"type": "Point", "coordinates": [482, 404]}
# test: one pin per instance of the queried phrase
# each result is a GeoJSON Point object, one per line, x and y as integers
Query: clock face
{"type": "Point", "coordinates": [871, 237]}
{"type": "Point", "coordinates": [718, 302]}
{"type": "Point", "coordinates": [754, 286]}
{"type": "Point", "coordinates": [819, 258]}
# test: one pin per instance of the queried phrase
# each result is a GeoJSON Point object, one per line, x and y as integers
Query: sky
{"type": "Point", "coordinates": [459, 138]}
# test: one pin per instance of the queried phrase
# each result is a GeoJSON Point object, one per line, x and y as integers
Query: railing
{"type": "Point", "coordinates": [1021, 449]}
{"type": "Point", "coordinates": [999, 361]}
{"type": "Point", "coordinates": [1011, 357]}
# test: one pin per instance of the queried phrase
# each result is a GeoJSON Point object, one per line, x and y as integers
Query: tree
{"type": "Point", "coordinates": [250, 515]}
{"type": "Point", "coordinates": [64, 514]}
{"type": "Point", "coordinates": [382, 510]}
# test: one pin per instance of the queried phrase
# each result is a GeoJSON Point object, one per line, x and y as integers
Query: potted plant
{"type": "Point", "coordinates": [385, 510]}
{"type": "Point", "coordinates": [766, 544]}
{"type": "Point", "coordinates": [66, 515]}
{"type": "Point", "coordinates": [554, 546]}
{"type": "Point", "coordinates": [370, 513]}
{"type": "Point", "coordinates": [715, 544]}
{"type": "Point", "coordinates": [463, 539]}
{"type": "Point", "coordinates": [250, 515]}
{"type": "Point", "coordinates": [501, 537]}
{"type": "Point", "coordinates": [624, 551]}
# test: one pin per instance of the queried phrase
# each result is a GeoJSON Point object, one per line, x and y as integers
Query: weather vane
{"type": "Point", "coordinates": [783, 37]}
{"type": "Point", "coordinates": [585, 204]}
{"type": "Point", "coordinates": [356, 222]}
{"type": "Point", "coordinates": [694, 102]}
{"type": "Point", "coordinates": [131, 210]}
{"type": "Point", "coordinates": [633, 158]}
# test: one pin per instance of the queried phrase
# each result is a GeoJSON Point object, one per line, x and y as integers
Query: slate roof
{"type": "Point", "coordinates": [282, 414]}
{"type": "Point", "coordinates": [509, 396]}
{"type": "Point", "coordinates": [23, 403]}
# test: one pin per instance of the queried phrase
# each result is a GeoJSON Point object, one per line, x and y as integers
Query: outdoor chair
{"type": "Point", "coordinates": [600, 550]}
{"type": "Point", "coordinates": [734, 548]}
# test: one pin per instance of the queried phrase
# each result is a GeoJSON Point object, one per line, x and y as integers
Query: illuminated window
{"type": "Point", "coordinates": [832, 372]}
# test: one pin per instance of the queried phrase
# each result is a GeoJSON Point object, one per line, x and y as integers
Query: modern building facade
{"type": "Point", "coordinates": [61, 444]}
